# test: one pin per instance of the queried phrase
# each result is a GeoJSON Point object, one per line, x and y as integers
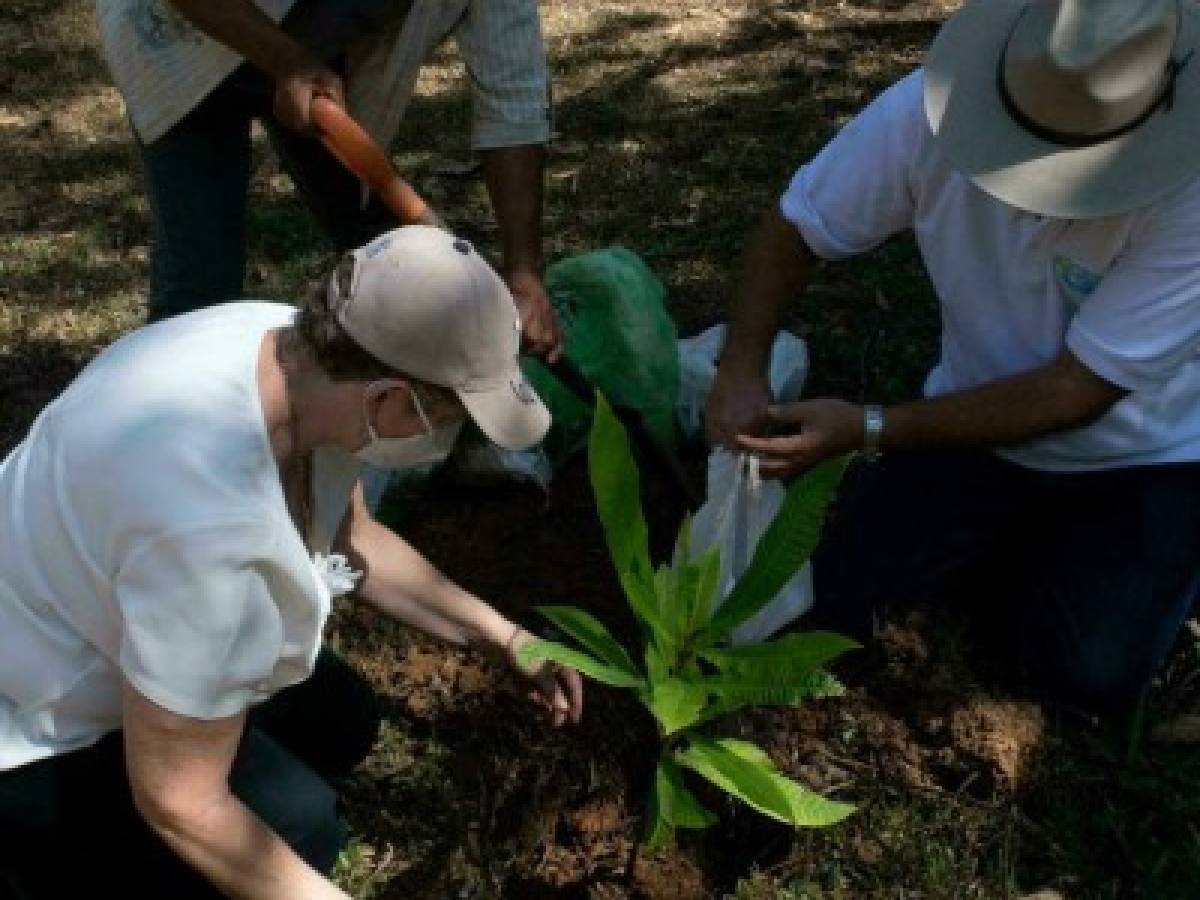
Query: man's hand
{"type": "Point", "coordinates": [298, 74]}
{"type": "Point", "coordinates": [807, 433]}
{"type": "Point", "coordinates": [541, 331]}
{"type": "Point", "coordinates": [556, 688]}
{"type": "Point", "coordinates": [297, 85]}
{"type": "Point", "coordinates": [737, 404]}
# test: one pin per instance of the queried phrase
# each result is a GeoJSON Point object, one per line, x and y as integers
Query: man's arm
{"type": "Point", "coordinates": [775, 269]}
{"type": "Point", "coordinates": [179, 776]}
{"type": "Point", "coordinates": [514, 178]}
{"type": "Point", "coordinates": [505, 55]}
{"type": "Point", "coordinates": [298, 74]}
{"type": "Point", "coordinates": [1059, 396]}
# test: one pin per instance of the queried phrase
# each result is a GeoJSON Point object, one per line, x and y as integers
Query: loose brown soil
{"type": "Point", "coordinates": [559, 814]}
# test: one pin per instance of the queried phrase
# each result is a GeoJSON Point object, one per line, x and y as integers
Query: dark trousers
{"type": "Point", "coordinates": [1082, 580]}
{"type": "Point", "coordinates": [198, 173]}
{"type": "Point", "coordinates": [68, 826]}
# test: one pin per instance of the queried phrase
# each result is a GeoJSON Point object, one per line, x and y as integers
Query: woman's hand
{"type": "Point", "coordinates": [558, 689]}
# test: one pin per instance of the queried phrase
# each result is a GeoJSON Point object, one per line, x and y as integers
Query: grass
{"type": "Point", "coordinates": [679, 122]}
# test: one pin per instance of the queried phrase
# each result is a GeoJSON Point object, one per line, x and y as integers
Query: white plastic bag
{"type": "Point", "coordinates": [739, 507]}
{"type": "Point", "coordinates": [479, 462]}
{"type": "Point", "coordinates": [475, 462]}
{"type": "Point", "coordinates": [698, 367]}
{"type": "Point", "coordinates": [377, 481]}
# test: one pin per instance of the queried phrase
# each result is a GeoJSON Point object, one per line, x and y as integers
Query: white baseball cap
{"type": "Point", "coordinates": [425, 303]}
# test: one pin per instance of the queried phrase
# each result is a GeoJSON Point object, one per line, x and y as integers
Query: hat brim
{"type": "Point", "coordinates": [972, 127]}
{"type": "Point", "coordinates": [509, 412]}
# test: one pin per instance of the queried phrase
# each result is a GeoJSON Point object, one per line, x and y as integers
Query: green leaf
{"type": "Point", "coordinates": [592, 634]}
{"type": "Point", "coordinates": [808, 807]}
{"type": "Point", "coordinates": [614, 478]}
{"type": "Point", "coordinates": [666, 580]}
{"type": "Point", "coordinates": [748, 781]}
{"type": "Point", "coordinates": [658, 830]}
{"type": "Point", "coordinates": [747, 773]}
{"type": "Point", "coordinates": [729, 693]}
{"type": "Point", "coordinates": [788, 656]}
{"type": "Point", "coordinates": [676, 703]}
{"type": "Point", "coordinates": [683, 541]}
{"type": "Point", "coordinates": [776, 673]}
{"type": "Point", "coordinates": [785, 546]}
{"type": "Point", "coordinates": [660, 646]}
{"type": "Point", "coordinates": [672, 806]}
{"type": "Point", "coordinates": [657, 665]}
{"type": "Point", "coordinates": [672, 585]}
{"type": "Point", "coordinates": [677, 587]}
{"type": "Point", "coordinates": [639, 588]}
{"type": "Point", "coordinates": [706, 592]}
{"type": "Point", "coordinates": [538, 649]}
{"type": "Point", "coordinates": [687, 587]}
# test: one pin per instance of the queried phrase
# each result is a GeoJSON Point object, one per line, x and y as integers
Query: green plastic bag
{"type": "Point", "coordinates": [618, 334]}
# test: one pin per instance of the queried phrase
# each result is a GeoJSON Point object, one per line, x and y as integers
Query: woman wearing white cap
{"type": "Point", "coordinates": [168, 529]}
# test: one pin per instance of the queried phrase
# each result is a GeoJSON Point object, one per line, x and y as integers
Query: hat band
{"type": "Point", "coordinates": [1075, 139]}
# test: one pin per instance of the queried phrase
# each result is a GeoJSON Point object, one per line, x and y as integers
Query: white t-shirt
{"type": "Point", "coordinates": [1121, 292]}
{"type": "Point", "coordinates": [164, 66]}
{"type": "Point", "coordinates": [144, 533]}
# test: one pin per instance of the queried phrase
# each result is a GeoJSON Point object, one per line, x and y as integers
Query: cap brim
{"type": "Point", "coordinates": [509, 412]}
{"type": "Point", "coordinates": [972, 127]}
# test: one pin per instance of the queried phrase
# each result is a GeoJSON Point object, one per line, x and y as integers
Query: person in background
{"type": "Point", "coordinates": [173, 531]}
{"type": "Point", "coordinates": [196, 73]}
{"type": "Point", "coordinates": [1043, 158]}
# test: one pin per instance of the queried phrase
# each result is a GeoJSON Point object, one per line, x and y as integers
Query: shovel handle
{"type": "Point", "coordinates": [355, 149]}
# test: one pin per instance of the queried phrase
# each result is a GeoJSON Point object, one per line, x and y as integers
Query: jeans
{"type": "Point", "coordinates": [70, 828]}
{"type": "Point", "coordinates": [1082, 580]}
{"type": "Point", "coordinates": [198, 173]}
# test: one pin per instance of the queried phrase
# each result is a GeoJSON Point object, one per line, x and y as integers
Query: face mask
{"type": "Point", "coordinates": [413, 450]}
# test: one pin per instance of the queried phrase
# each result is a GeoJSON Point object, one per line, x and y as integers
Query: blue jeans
{"type": "Point", "coordinates": [70, 828]}
{"type": "Point", "coordinates": [1082, 580]}
{"type": "Point", "coordinates": [198, 173]}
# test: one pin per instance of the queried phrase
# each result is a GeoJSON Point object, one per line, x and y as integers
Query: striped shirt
{"type": "Point", "coordinates": [164, 66]}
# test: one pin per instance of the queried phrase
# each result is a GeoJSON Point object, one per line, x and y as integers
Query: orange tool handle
{"type": "Point", "coordinates": [346, 140]}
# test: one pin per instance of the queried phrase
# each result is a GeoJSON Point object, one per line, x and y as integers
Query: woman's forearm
{"type": "Point", "coordinates": [402, 583]}
{"type": "Point", "coordinates": [236, 851]}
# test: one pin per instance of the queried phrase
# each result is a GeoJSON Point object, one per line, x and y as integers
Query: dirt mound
{"type": "Point", "coordinates": [1002, 734]}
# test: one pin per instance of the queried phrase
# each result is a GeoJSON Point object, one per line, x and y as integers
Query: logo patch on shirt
{"type": "Point", "coordinates": [1078, 281]}
{"type": "Point", "coordinates": [158, 25]}
{"type": "Point", "coordinates": [523, 390]}
{"type": "Point", "coordinates": [377, 246]}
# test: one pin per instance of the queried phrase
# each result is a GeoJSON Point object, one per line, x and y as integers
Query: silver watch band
{"type": "Point", "coordinates": [872, 430]}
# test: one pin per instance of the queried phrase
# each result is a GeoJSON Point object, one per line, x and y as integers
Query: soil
{"type": "Point", "coordinates": [558, 814]}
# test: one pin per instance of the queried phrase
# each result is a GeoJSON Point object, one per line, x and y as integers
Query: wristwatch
{"type": "Point", "coordinates": [872, 430]}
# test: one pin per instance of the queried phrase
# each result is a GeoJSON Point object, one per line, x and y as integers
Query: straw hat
{"type": "Point", "coordinates": [1069, 108]}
